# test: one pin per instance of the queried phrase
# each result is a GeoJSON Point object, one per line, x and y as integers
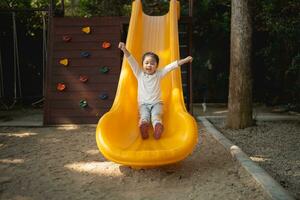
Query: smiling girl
{"type": "Point", "coordinates": [149, 92]}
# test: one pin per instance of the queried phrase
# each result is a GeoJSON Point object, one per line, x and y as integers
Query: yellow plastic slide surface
{"type": "Point", "coordinates": [117, 134]}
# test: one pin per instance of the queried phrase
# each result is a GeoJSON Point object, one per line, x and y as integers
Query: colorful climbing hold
{"type": "Point", "coordinates": [83, 103]}
{"type": "Point", "coordinates": [64, 62]}
{"type": "Point", "coordinates": [85, 54]}
{"type": "Point", "coordinates": [103, 96]}
{"type": "Point", "coordinates": [66, 38]}
{"type": "Point", "coordinates": [106, 45]}
{"type": "Point", "coordinates": [104, 70]}
{"type": "Point", "coordinates": [61, 86]}
{"type": "Point", "coordinates": [83, 78]}
{"type": "Point", "coordinates": [86, 30]}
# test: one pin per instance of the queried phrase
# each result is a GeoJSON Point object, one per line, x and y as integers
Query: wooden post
{"type": "Point", "coordinates": [63, 7]}
{"type": "Point", "coordinates": [190, 8]}
{"type": "Point", "coordinates": [190, 74]}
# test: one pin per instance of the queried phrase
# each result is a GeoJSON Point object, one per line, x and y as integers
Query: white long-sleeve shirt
{"type": "Point", "coordinates": [149, 85]}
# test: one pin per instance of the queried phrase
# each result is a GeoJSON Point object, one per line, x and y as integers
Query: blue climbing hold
{"type": "Point", "coordinates": [85, 54]}
{"type": "Point", "coordinates": [103, 96]}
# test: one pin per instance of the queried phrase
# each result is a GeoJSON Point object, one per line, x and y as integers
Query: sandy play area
{"type": "Point", "coordinates": [64, 163]}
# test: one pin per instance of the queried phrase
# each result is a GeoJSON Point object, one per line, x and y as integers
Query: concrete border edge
{"type": "Point", "coordinates": [270, 186]}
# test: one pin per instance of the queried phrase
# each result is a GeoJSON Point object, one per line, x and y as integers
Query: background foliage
{"type": "Point", "coordinates": [276, 41]}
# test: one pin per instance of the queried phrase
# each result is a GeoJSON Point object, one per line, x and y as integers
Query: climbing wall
{"type": "Point", "coordinates": [83, 69]}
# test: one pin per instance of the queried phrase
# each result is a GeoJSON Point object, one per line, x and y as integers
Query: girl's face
{"type": "Point", "coordinates": [149, 65]}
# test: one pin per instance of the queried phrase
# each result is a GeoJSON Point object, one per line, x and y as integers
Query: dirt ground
{"type": "Point", "coordinates": [64, 163]}
{"type": "Point", "coordinates": [274, 145]}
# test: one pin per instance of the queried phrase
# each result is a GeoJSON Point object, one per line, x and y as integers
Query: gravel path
{"type": "Point", "coordinates": [274, 145]}
{"type": "Point", "coordinates": [64, 163]}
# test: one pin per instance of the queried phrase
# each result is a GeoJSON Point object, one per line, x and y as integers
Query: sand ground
{"type": "Point", "coordinates": [64, 163]}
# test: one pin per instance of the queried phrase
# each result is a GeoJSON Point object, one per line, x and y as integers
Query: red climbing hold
{"type": "Point", "coordinates": [106, 45]}
{"type": "Point", "coordinates": [83, 78]}
{"type": "Point", "coordinates": [61, 87]}
{"type": "Point", "coordinates": [66, 38]}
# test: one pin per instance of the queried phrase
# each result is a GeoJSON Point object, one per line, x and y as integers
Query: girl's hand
{"type": "Point", "coordinates": [185, 60]}
{"type": "Point", "coordinates": [189, 59]}
{"type": "Point", "coordinates": [122, 46]}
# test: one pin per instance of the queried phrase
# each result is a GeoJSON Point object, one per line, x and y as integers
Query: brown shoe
{"type": "Point", "coordinates": [158, 130]}
{"type": "Point", "coordinates": [144, 127]}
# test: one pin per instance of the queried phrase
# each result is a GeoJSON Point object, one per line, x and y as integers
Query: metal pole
{"type": "Point", "coordinates": [17, 76]}
{"type": "Point", "coordinates": [2, 83]}
{"type": "Point", "coordinates": [44, 54]}
{"type": "Point", "coordinates": [1, 77]}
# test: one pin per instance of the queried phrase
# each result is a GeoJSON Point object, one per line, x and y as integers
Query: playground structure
{"type": "Point", "coordinates": [80, 66]}
{"type": "Point", "coordinates": [84, 66]}
{"type": "Point", "coordinates": [118, 136]}
{"type": "Point", "coordinates": [84, 63]}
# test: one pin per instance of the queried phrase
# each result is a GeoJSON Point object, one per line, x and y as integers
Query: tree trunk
{"type": "Point", "coordinates": [240, 80]}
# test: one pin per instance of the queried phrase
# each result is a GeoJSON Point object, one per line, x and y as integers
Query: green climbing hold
{"type": "Point", "coordinates": [104, 70]}
{"type": "Point", "coordinates": [83, 103]}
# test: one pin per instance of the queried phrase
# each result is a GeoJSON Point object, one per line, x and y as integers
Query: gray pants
{"type": "Point", "coordinates": [151, 112]}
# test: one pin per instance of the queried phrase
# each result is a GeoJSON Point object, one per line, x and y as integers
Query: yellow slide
{"type": "Point", "coordinates": [117, 134]}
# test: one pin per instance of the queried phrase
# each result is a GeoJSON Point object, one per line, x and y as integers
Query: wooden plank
{"type": "Point", "coordinates": [88, 62]}
{"type": "Point", "coordinates": [88, 70]}
{"type": "Point", "coordinates": [74, 104]}
{"type": "Point", "coordinates": [95, 30]}
{"type": "Point", "coordinates": [55, 95]}
{"type": "Point", "coordinates": [74, 120]}
{"type": "Point", "coordinates": [83, 46]}
{"type": "Point", "coordinates": [80, 112]}
{"type": "Point", "coordinates": [87, 38]}
{"type": "Point", "coordinates": [92, 79]}
{"type": "Point", "coordinates": [96, 87]}
{"type": "Point", "coordinates": [98, 53]}
{"type": "Point", "coordinates": [80, 21]}
{"type": "Point", "coordinates": [92, 87]}
{"type": "Point", "coordinates": [48, 74]}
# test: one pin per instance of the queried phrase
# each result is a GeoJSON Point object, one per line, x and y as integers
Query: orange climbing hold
{"type": "Point", "coordinates": [64, 62]}
{"type": "Point", "coordinates": [106, 45]}
{"type": "Point", "coordinates": [61, 86]}
{"type": "Point", "coordinates": [86, 30]}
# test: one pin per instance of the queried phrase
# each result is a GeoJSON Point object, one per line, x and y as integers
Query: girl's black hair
{"type": "Point", "coordinates": [153, 55]}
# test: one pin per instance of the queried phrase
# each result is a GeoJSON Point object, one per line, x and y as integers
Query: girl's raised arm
{"type": "Point", "coordinates": [123, 48]}
{"type": "Point", "coordinates": [174, 65]}
{"type": "Point", "coordinates": [131, 60]}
